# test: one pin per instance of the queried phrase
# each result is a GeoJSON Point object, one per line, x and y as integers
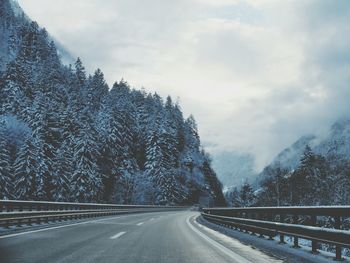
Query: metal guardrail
{"type": "Point", "coordinates": [13, 212]}
{"type": "Point", "coordinates": [298, 222]}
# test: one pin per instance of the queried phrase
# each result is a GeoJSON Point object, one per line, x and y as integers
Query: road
{"type": "Point", "coordinates": [149, 237]}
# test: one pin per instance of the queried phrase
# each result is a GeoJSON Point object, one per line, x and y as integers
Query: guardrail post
{"type": "Point", "coordinates": [314, 242]}
{"type": "Point", "coordinates": [269, 218]}
{"type": "Point", "coordinates": [337, 247]}
{"type": "Point", "coordinates": [252, 216]}
{"type": "Point", "coordinates": [282, 235]}
{"type": "Point", "coordinates": [245, 216]}
{"type": "Point", "coordinates": [295, 238]}
{"type": "Point", "coordinates": [260, 217]}
{"type": "Point", "coordinates": [240, 215]}
{"type": "Point", "coordinates": [7, 224]}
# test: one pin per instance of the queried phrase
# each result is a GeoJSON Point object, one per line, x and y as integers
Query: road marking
{"type": "Point", "coordinates": [68, 225]}
{"type": "Point", "coordinates": [141, 223]}
{"type": "Point", "coordinates": [104, 219]}
{"type": "Point", "coordinates": [151, 219]}
{"type": "Point", "coordinates": [117, 235]}
{"type": "Point", "coordinates": [237, 258]}
{"type": "Point", "coordinates": [56, 227]}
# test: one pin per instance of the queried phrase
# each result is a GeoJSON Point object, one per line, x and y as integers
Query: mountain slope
{"type": "Point", "coordinates": [335, 144]}
{"type": "Point", "coordinates": [313, 171]}
{"type": "Point", "coordinates": [67, 136]}
{"type": "Point", "coordinates": [13, 22]}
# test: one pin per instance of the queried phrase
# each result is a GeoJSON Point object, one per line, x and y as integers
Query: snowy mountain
{"type": "Point", "coordinates": [289, 158]}
{"type": "Point", "coordinates": [67, 136]}
{"type": "Point", "coordinates": [234, 168]}
{"type": "Point", "coordinates": [313, 171]}
{"type": "Point", "coordinates": [335, 144]}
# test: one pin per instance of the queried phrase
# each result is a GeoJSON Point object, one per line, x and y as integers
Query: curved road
{"type": "Point", "coordinates": [150, 237]}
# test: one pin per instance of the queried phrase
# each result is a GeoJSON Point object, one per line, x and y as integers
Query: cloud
{"type": "Point", "coordinates": [256, 74]}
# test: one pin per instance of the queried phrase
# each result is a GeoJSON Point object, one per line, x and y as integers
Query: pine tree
{"type": "Point", "coordinates": [12, 99]}
{"type": "Point", "coordinates": [233, 198]}
{"type": "Point", "coordinates": [6, 187]}
{"type": "Point", "coordinates": [213, 184]}
{"type": "Point", "coordinates": [86, 179]}
{"type": "Point", "coordinates": [61, 176]}
{"type": "Point", "coordinates": [247, 195]}
{"type": "Point", "coordinates": [96, 91]}
{"type": "Point", "coordinates": [80, 73]}
{"type": "Point", "coordinates": [307, 180]}
{"type": "Point", "coordinates": [27, 170]}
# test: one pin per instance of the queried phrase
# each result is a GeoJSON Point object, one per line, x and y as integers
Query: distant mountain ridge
{"type": "Point", "coordinates": [334, 145]}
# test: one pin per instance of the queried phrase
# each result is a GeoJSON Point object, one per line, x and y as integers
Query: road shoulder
{"type": "Point", "coordinates": [285, 253]}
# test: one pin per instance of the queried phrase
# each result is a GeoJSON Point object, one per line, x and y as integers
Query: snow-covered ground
{"type": "Point", "coordinates": [272, 247]}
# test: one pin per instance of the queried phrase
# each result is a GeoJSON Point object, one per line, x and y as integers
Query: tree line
{"type": "Point", "coordinates": [317, 180]}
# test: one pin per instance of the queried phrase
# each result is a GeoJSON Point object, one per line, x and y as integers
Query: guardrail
{"type": "Point", "coordinates": [28, 212]}
{"type": "Point", "coordinates": [298, 222]}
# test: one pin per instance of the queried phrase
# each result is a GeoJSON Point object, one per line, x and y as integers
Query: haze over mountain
{"type": "Point", "coordinates": [257, 75]}
{"type": "Point", "coordinates": [234, 168]}
{"type": "Point", "coordinates": [334, 144]}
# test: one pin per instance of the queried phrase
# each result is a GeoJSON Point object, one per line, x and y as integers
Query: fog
{"type": "Point", "coordinates": [255, 74]}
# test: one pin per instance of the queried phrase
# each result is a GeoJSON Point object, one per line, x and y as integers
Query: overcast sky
{"type": "Point", "coordinates": [256, 74]}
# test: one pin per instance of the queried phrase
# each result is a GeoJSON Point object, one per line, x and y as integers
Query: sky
{"type": "Point", "coordinates": [256, 74]}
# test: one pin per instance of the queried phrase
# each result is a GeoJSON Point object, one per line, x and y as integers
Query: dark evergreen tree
{"type": "Point", "coordinates": [27, 166]}
{"type": "Point", "coordinates": [86, 178]}
{"type": "Point", "coordinates": [246, 195]}
{"type": "Point", "coordinates": [6, 186]}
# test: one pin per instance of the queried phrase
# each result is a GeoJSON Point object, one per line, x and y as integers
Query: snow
{"type": "Point", "coordinates": [272, 247]}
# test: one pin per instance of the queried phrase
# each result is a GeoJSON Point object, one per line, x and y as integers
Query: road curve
{"type": "Point", "coordinates": [150, 237]}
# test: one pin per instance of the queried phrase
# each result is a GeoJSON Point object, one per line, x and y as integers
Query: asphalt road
{"type": "Point", "coordinates": [150, 237]}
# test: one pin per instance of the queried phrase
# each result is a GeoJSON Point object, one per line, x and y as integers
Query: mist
{"type": "Point", "coordinates": [256, 75]}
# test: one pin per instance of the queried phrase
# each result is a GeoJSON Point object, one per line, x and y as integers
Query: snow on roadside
{"type": "Point", "coordinates": [271, 247]}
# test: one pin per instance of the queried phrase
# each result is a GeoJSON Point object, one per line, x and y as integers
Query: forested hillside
{"type": "Point", "coordinates": [66, 136]}
{"type": "Point", "coordinates": [313, 171]}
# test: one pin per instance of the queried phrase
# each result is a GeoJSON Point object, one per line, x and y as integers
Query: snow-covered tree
{"type": "Point", "coordinates": [6, 180]}
{"type": "Point", "coordinates": [86, 178]}
{"type": "Point", "coordinates": [28, 172]}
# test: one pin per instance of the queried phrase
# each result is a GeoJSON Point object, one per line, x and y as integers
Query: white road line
{"type": "Point", "coordinates": [68, 225]}
{"type": "Point", "coordinates": [151, 219]}
{"type": "Point", "coordinates": [117, 235]}
{"type": "Point", "coordinates": [104, 219]}
{"type": "Point", "coordinates": [237, 258]}
{"type": "Point", "coordinates": [56, 227]}
{"type": "Point", "coordinates": [141, 223]}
